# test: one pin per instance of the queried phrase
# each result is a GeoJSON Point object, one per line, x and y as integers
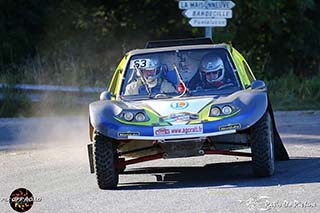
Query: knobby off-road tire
{"type": "Point", "coordinates": [105, 158]}
{"type": "Point", "coordinates": [262, 147]}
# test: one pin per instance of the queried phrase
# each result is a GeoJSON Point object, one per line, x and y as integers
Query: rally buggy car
{"type": "Point", "coordinates": [181, 98]}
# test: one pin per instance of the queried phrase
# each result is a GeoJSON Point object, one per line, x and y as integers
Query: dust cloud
{"type": "Point", "coordinates": [44, 132]}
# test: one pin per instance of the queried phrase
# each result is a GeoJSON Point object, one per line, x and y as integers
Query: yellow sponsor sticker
{"type": "Point", "coordinates": [126, 134]}
{"type": "Point", "coordinates": [229, 127]}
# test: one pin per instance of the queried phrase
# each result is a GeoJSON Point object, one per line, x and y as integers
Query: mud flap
{"type": "Point", "coordinates": [280, 152]}
{"type": "Point", "coordinates": [90, 155]}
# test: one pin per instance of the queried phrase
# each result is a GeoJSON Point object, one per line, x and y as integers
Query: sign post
{"type": "Point", "coordinates": [208, 32]}
{"type": "Point", "coordinates": [207, 13]}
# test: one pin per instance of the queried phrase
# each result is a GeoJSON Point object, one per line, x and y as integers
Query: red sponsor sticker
{"type": "Point", "coordinates": [162, 131]}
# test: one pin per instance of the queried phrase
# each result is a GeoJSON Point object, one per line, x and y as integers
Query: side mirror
{"type": "Point", "coordinates": [258, 84]}
{"type": "Point", "coordinates": [106, 95]}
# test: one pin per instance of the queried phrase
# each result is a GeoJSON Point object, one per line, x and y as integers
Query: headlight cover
{"type": "Point", "coordinates": [140, 117]}
{"type": "Point", "coordinates": [133, 115]}
{"type": "Point", "coordinates": [227, 110]}
{"type": "Point", "coordinates": [128, 116]}
{"type": "Point", "coordinates": [215, 111]}
{"type": "Point", "coordinates": [222, 110]}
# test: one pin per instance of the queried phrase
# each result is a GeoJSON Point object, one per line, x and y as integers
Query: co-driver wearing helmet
{"type": "Point", "coordinates": [151, 72]}
{"type": "Point", "coordinates": [211, 73]}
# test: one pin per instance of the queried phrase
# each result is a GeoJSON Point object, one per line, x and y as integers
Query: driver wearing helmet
{"type": "Point", "coordinates": [211, 72]}
{"type": "Point", "coordinates": [151, 74]}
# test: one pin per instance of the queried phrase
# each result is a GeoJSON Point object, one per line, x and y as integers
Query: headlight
{"type": "Point", "coordinates": [227, 110]}
{"type": "Point", "coordinates": [215, 111]}
{"type": "Point", "coordinates": [128, 116]}
{"type": "Point", "coordinates": [140, 116]}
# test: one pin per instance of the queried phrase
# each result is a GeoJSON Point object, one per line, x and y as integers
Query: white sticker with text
{"type": "Point", "coordinates": [178, 130]}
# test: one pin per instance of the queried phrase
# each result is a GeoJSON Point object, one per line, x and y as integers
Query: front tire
{"type": "Point", "coordinates": [262, 147]}
{"type": "Point", "coordinates": [105, 159]}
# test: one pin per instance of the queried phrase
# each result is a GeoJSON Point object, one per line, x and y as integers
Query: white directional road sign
{"type": "Point", "coordinates": [206, 5]}
{"type": "Point", "coordinates": [206, 13]}
{"type": "Point", "coordinates": [203, 13]}
{"type": "Point", "coordinates": [208, 22]}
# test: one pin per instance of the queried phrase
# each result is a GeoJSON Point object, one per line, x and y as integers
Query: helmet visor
{"type": "Point", "coordinates": [149, 72]}
{"type": "Point", "coordinates": [213, 75]}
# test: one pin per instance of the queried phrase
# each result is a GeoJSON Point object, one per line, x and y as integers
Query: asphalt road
{"type": "Point", "coordinates": [48, 157]}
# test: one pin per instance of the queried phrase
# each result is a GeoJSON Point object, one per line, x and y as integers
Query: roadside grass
{"type": "Point", "coordinates": [291, 92]}
{"type": "Point", "coordinates": [64, 70]}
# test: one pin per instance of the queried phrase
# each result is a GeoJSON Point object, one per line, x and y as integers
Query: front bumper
{"type": "Point", "coordinates": [182, 136]}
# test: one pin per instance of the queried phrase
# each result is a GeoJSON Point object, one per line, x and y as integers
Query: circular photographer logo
{"type": "Point", "coordinates": [21, 200]}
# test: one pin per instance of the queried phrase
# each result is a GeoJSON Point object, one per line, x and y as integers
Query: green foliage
{"type": "Point", "coordinates": [21, 28]}
{"type": "Point", "coordinates": [277, 35]}
{"type": "Point", "coordinates": [80, 42]}
{"type": "Point", "coordinates": [295, 92]}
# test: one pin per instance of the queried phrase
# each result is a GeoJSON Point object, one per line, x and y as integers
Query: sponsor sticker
{"type": "Point", "coordinates": [229, 127]}
{"type": "Point", "coordinates": [126, 134]}
{"type": "Point", "coordinates": [179, 105]}
{"type": "Point", "coordinates": [178, 130]}
{"type": "Point", "coordinates": [178, 117]}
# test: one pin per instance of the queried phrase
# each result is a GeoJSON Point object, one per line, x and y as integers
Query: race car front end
{"type": "Point", "coordinates": [190, 126]}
